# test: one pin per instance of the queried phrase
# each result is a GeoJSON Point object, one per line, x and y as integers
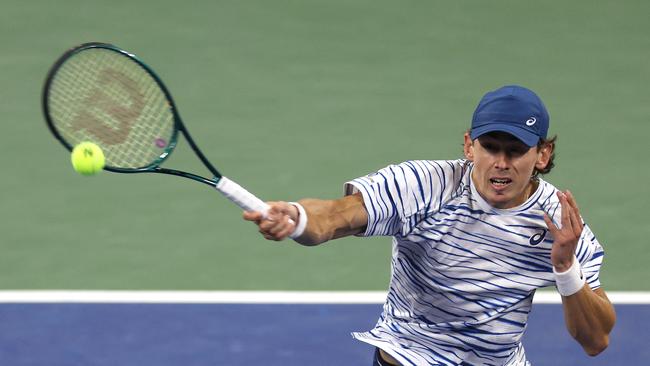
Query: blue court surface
{"type": "Point", "coordinates": [187, 334]}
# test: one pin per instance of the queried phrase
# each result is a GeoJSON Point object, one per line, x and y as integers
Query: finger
{"type": "Point", "coordinates": [273, 210]}
{"type": "Point", "coordinates": [279, 236]}
{"type": "Point", "coordinates": [282, 234]}
{"type": "Point", "coordinates": [574, 204]}
{"type": "Point", "coordinates": [576, 224]}
{"type": "Point", "coordinates": [269, 237]}
{"type": "Point", "coordinates": [278, 208]}
{"type": "Point", "coordinates": [281, 226]}
{"type": "Point", "coordinates": [275, 213]}
{"type": "Point", "coordinates": [267, 225]}
{"type": "Point", "coordinates": [571, 199]}
{"type": "Point", "coordinates": [285, 224]}
{"type": "Point", "coordinates": [289, 228]}
{"type": "Point", "coordinates": [566, 211]}
{"type": "Point", "coordinates": [550, 225]}
{"type": "Point", "coordinates": [252, 216]}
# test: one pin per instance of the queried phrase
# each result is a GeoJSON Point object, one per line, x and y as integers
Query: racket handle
{"type": "Point", "coordinates": [241, 197]}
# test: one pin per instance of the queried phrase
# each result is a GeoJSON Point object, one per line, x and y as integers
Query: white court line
{"type": "Point", "coordinates": [195, 297]}
{"type": "Point", "coordinates": [250, 297]}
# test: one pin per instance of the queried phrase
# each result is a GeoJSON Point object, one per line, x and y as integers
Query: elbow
{"type": "Point", "coordinates": [315, 236]}
{"type": "Point", "coordinates": [596, 346]}
{"type": "Point", "coordinates": [597, 341]}
{"type": "Point", "coordinates": [316, 233]}
{"type": "Point", "coordinates": [310, 237]}
{"type": "Point", "coordinates": [308, 242]}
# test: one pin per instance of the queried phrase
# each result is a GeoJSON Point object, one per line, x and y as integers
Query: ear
{"type": "Point", "coordinates": [544, 156]}
{"type": "Point", "coordinates": [468, 147]}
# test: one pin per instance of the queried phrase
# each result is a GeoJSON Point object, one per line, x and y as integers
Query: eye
{"type": "Point", "coordinates": [491, 147]}
{"type": "Point", "coordinates": [517, 151]}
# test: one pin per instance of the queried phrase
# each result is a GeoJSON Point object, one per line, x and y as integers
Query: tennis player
{"type": "Point", "coordinates": [473, 239]}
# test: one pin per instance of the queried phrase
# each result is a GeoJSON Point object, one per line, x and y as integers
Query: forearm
{"type": "Point", "coordinates": [589, 318]}
{"type": "Point", "coordinates": [332, 219]}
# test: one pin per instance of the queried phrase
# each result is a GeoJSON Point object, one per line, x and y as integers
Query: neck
{"type": "Point", "coordinates": [530, 188]}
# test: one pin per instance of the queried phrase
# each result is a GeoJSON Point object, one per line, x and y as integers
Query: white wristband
{"type": "Point", "coordinates": [302, 221]}
{"type": "Point", "coordinates": [570, 281]}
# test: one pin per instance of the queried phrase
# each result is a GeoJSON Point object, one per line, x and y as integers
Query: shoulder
{"type": "Point", "coordinates": [424, 171]}
{"type": "Point", "coordinates": [436, 170]}
{"type": "Point", "coordinates": [411, 186]}
{"type": "Point", "coordinates": [549, 202]}
{"type": "Point", "coordinates": [450, 166]}
{"type": "Point", "coordinates": [547, 196]}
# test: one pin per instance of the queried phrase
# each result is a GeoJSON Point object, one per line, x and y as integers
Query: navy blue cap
{"type": "Point", "coordinates": [512, 109]}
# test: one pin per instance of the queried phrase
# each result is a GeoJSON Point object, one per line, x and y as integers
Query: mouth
{"type": "Point", "coordinates": [500, 183]}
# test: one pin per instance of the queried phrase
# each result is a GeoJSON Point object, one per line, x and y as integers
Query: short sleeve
{"type": "Point", "coordinates": [399, 196]}
{"type": "Point", "coordinates": [590, 254]}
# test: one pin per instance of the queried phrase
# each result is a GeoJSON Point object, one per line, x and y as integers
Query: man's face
{"type": "Point", "coordinates": [503, 166]}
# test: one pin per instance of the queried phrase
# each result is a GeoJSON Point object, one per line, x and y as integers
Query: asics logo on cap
{"type": "Point", "coordinates": [531, 121]}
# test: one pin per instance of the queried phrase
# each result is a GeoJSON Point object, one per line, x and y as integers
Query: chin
{"type": "Point", "coordinates": [499, 201]}
{"type": "Point", "coordinates": [498, 204]}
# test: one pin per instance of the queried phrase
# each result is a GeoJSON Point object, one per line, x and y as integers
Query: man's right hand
{"type": "Point", "coordinates": [279, 222]}
{"type": "Point", "coordinates": [327, 219]}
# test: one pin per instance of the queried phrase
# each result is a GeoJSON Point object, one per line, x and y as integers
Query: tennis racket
{"type": "Point", "coordinates": [100, 93]}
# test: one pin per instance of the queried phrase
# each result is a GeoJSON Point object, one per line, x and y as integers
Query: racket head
{"type": "Point", "coordinates": [100, 93]}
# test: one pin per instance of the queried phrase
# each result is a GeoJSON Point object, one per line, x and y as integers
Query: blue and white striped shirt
{"type": "Point", "coordinates": [463, 272]}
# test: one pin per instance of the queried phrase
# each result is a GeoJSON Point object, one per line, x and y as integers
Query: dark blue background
{"type": "Point", "coordinates": [234, 334]}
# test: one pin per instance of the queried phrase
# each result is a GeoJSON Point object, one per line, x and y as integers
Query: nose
{"type": "Point", "coordinates": [501, 161]}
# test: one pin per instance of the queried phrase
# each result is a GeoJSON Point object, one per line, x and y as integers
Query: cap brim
{"type": "Point", "coordinates": [527, 137]}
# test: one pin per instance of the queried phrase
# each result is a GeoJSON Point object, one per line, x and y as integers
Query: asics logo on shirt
{"type": "Point", "coordinates": [371, 175]}
{"type": "Point", "coordinates": [537, 238]}
{"type": "Point", "coordinates": [531, 121]}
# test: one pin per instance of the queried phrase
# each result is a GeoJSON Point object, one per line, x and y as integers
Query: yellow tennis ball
{"type": "Point", "coordinates": [87, 158]}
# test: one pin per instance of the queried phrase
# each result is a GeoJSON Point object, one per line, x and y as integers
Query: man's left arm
{"type": "Point", "coordinates": [589, 318]}
{"type": "Point", "coordinates": [588, 314]}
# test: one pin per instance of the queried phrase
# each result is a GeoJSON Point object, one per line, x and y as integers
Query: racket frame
{"type": "Point", "coordinates": [154, 167]}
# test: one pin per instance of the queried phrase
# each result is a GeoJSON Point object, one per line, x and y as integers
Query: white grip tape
{"type": "Point", "coordinates": [241, 197]}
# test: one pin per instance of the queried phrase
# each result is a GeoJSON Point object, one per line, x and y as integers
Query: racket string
{"type": "Point", "coordinates": [102, 96]}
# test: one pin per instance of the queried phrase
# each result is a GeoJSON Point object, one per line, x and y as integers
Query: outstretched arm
{"type": "Point", "coordinates": [326, 219]}
{"type": "Point", "coordinates": [588, 314]}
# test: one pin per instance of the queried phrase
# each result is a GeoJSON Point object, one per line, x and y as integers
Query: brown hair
{"type": "Point", "coordinates": [551, 162]}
